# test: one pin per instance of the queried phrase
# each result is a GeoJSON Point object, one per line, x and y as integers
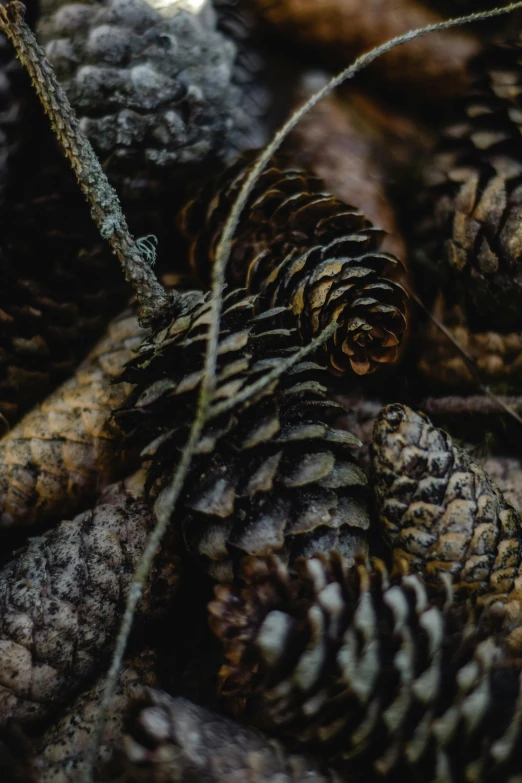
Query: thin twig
{"type": "Point", "coordinates": [102, 198]}
{"type": "Point", "coordinates": [167, 500]}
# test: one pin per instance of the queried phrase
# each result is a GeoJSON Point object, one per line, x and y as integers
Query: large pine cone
{"type": "Point", "coordinates": [297, 244]}
{"type": "Point", "coordinates": [65, 450]}
{"type": "Point", "coordinates": [273, 475]}
{"type": "Point", "coordinates": [366, 670]}
{"type": "Point", "coordinates": [61, 600]}
{"type": "Point", "coordinates": [440, 511]}
{"type": "Point", "coordinates": [476, 198]}
{"type": "Point", "coordinates": [153, 85]}
{"type": "Point", "coordinates": [171, 740]}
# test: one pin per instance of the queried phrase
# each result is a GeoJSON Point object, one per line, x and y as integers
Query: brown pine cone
{"type": "Point", "coordinates": [170, 740]}
{"type": "Point", "coordinates": [298, 245]}
{"type": "Point", "coordinates": [274, 474]}
{"type": "Point", "coordinates": [65, 745]}
{"type": "Point", "coordinates": [61, 600]}
{"type": "Point", "coordinates": [64, 451]}
{"type": "Point", "coordinates": [428, 69]}
{"type": "Point", "coordinates": [365, 669]}
{"type": "Point", "coordinates": [496, 356]}
{"type": "Point", "coordinates": [439, 510]}
{"type": "Point", "coordinates": [475, 204]}
{"type": "Point", "coordinates": [152, 84]}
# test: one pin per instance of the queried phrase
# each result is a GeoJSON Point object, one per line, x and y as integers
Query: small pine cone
{"type": "Point", "coordinates": [364, 669]}
{"type": "Point", "coordinates": [497, 356]}
{"type": "Point", "coordinates": [170, 740]}
{"type": "Point", "coordinates": [64, 747]}
{"type": "Point", "coordinates": [297, 244]}
{"type": "Point", "coordinates": [428, 70]}
{"type": "Point", "coordinates": [440, 511]}
{"type": "Point", "coordinates": [272, 475]}
{"type": "Point", "coordinates": [475, 202]}
{"type": "Point", "coordinates": [152, 85]}
{"type": "Point", "coordinates": [61, 601]}
{"type": "Point", "coordinates": [64, 451]}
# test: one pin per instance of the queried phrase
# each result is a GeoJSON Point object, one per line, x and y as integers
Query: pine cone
{"type": "Point", "coordinates": [64, 747]}
{"type": "Point", "coordinates": [61, 601]}
{"type": "Point", "coordinates": [366, 670]}
{"type": "Point", "coordinates": [65, 450]}
{"type": "Point", "coordinates": [272, 475]}
{"type": "Point", "coordinates": [440, 511]}
{"type": "Point", "coordinates": [296, 244]}
{"type": "Point", "coordinates": [172, 740]}
{"type": "Point", "coordinates": [497, 356]}
{"type": "Point", "coordinates": [152, 86]}
{"type": "Point", "coordinates": [476, 201]}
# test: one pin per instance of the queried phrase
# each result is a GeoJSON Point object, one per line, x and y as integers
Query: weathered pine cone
{"type": "Point", "coordinates": [169, 740]}
{"type": "Point", "coordinates": [362, 668]}
{"type": "Point", "coordinates": [475, 205]}
{"type": "Point", "coordinates": [439, 510]}
{"type": "Point", "coordinates": [64, 748]}
{"type": "Point", "coordinates": [152, 85]}
{"type": "Point", "coordinates": [65, 450]}
{"type": "Point", "coordinates": [273, 475]}
{"type": "Point", "coordinates": [61, 601]}
{"type": "Point", "coordinates": [297, 244]}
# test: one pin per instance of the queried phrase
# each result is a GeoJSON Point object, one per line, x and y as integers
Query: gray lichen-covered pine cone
{"type": "Point", "coordinates": [274, 475]}
{"type": "Point", "coordinates": [152, 83]}
{"type": "Point", "coordinates": [440, 511]}
{"type": "Point", "coordinates": [63, 749]}
{"type": "Point", "coordinates": [363, 669]}
{"type": "Point", "coordinates": [65, 450]}
{"type": "Point", "coordinates": [170, 740]}
{"type": "Point", "coordinates": [61, 600]}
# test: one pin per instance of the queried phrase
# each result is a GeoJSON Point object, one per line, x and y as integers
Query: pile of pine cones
{"type": "Point", "coordinates": [338, 593]}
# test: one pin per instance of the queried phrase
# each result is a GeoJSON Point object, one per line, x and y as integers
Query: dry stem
{"type": "Point", "coordinates": [102, 198]}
